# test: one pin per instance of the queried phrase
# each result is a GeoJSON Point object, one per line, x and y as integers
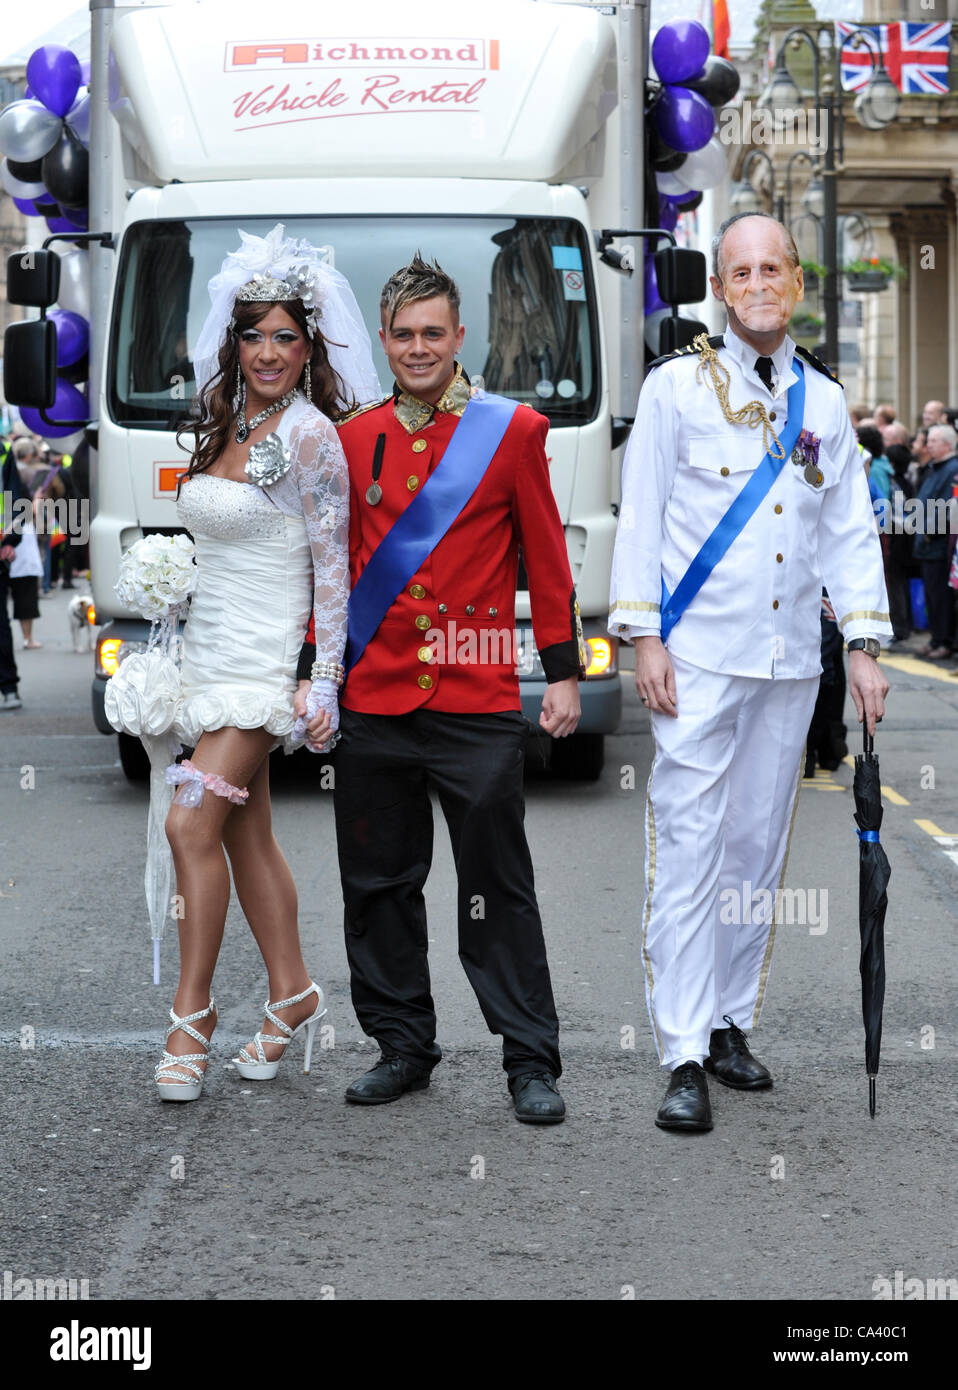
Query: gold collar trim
{"type": "Point", "coordinates": [414, 414]}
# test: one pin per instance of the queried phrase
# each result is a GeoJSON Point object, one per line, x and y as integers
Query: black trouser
{"type": "Point", "coordinates": [899, 596]}
{"type": "Point", "coordinates": [385, 765]}
{"type": "Point", "coordinates": [940, 602]}
{"type": "Point", "coordinates": [9, 678]}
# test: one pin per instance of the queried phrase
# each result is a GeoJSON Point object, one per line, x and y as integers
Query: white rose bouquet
{"type": "Point", "coordinates": [157, 576]}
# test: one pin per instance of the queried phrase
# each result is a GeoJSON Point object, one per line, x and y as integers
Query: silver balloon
{"type": "Point", "coordinates": [78, 118]}
{"type": "Point", "coordinates": [75, 283]}
{"type": "Point", "coordinates": [704, 168]}
{"type": "Point", "coordinates": [28, 131]}
{"type": "Point", "coordinates": [17, 188]}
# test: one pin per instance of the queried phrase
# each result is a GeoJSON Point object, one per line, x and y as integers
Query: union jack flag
{"type": "Point", "coordinates": [915, 55]}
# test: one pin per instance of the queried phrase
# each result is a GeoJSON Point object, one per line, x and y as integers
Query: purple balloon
{"type": "Point", "coordinates": [85, 73]}
{"type": "Point", "coordinates": [683, 119]}
{"type": "Point", "coordinates": [679, 50]}
{"type": "Point", "coordinates": [653, 300]}
{"type": "Point", "coordinates": [77, 217]}
{"type": "Point", "coordinates": [70, 404]}
{"type": "Point", "coordinates": [54, 74]}
{"type": "Point", "coordinates": [73, 336]}
{"type": "Point", "coordinates": [26, 206]}
{"type": "Point", "coordinates": [61, 224]}
{"type": "Point", "coordinates": [668, 213]}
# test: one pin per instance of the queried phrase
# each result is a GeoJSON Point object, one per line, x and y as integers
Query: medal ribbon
{"type": "Point", "coordinates": [739, 513]}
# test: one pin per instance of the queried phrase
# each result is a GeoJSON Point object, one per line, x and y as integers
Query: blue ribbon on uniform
{"type": "Point", "coordinates": [870, 835]}
{"type": "Point", "coordinates": [739, 513]}
{"type": "Point", "coordinates": [415, 534]}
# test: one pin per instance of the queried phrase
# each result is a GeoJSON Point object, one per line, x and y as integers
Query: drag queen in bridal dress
{"type": "Point", "coordinates": [282, 354]}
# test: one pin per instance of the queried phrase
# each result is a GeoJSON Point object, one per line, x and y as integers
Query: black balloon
{"type": "Point", "coordinates": [77, 371]}
{"type": "Point", "coordinates": [66, 170]}
{"type": "Point", "coordinates": [717, 82]}
{"type": "Point", "coordinates": [661, 155]}
{"type": "Point", "coordinates": [46, 207]}
{"type": "Point", "coordinates": [31, 172]}
{"type": "Point", "coordinates": [690, 205]}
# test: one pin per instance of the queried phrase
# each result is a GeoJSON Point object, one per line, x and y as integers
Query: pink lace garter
{"type": "Point", "coordinates": [195, 783]}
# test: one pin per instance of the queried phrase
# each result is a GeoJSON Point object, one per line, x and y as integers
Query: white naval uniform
{"type": "Point", "coordinates": [746, 653]}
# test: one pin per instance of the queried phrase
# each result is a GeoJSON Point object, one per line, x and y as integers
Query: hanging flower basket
{"type": "Point", "coordinates": [867, 281]}
{"type": "Point", "coordinates": [872, 275]}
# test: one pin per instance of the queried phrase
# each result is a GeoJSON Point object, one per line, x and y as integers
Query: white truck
{"type": "Point", "coordinates": [501, 139]}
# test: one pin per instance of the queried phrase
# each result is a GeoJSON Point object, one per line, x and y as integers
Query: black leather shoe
{"type": "Point", "coordinates": [730, 1061]}
{"type": "Point", "coordinates": [686, 1104]}
{"type": "Point", "coordinates": [389, 1079]}
{"type": "Point", "coordinates": [536, 1099]}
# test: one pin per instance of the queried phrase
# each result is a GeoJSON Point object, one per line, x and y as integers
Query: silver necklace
{"type": "Point", "coordinates": [244, 428]}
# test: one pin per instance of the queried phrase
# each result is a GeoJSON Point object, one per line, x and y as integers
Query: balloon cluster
{"type": "Point", "coordinates": [684, 149]}
{"type": "Point", "coordinates": [44, 140]}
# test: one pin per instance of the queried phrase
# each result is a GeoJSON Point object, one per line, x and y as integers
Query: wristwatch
{"type": "Point", "coordinates": [869, 645]}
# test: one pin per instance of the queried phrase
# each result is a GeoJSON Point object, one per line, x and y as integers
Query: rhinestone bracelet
{"type": "Point", "coordinates": [328, 671]}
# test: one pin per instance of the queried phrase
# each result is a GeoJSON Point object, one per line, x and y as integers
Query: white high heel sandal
{"type": "Point", "coordinates": [188, 1083]}
{"type": "Point", "coordinates": [258, 1068]}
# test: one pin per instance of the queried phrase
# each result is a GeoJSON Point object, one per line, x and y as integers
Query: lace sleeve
{"type": "Point", "coordinates": [322, 479]}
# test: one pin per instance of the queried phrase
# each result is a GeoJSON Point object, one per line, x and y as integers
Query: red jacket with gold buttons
{"type": "Point", "coordinates": [447, 642]}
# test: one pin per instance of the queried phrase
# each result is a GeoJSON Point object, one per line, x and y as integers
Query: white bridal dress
{"type": "Point", "coordinates": [265, 554]}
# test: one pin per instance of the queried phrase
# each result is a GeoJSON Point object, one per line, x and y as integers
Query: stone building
{"type": "Point", "coordinates": [896, 199]}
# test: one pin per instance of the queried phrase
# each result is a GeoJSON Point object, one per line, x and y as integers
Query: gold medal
{"type": "Point", "coordinates": [374, 494]}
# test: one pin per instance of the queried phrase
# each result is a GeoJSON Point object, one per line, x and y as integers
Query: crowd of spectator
{"type": "Point", "coordinates": [921, 567]}
{"type": "Point", "coordinates": [35, 555]}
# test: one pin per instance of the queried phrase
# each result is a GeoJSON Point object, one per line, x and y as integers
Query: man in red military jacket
{"type": "Point", "coordinates": [433, 702]}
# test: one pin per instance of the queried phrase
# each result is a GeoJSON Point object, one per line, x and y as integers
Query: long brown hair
{"type": "Point", "coordinates": [214, 411]}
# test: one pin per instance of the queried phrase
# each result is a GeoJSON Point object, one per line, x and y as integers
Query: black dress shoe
{"type": "Point", "coordinates": [686, 1104]}
{"type": "Point", "coordinates": [536, 1099]}
{"type": "Point", "coordinates": [389, 1079]}
{"type": "Point", "coordinates": [730, 1061]}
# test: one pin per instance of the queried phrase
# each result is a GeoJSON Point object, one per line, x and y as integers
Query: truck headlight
{"type": "Point", "coordinates": [600, 656]}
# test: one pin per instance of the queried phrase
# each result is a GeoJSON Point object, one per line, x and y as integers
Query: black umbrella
{"type": "Point", "coordinates": [874, 873]}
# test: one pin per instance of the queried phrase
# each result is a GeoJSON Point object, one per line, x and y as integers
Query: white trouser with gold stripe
{"type": "Point", "coordinates": [722, 795]}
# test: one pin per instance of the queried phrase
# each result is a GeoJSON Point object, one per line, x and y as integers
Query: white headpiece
{"type": "Point", "coordinates": [276, 268]}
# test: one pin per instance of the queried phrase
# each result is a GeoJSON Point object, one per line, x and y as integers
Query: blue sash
{"type": "Point", "coordinates": [739, 513]}
{"type": "Point", "coordinates": [414, 536]}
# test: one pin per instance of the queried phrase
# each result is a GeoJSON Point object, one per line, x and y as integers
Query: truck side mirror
{"type": "Point", "coordinates": [33, 278]}
{"type": "Point", "coordinates": [678, 333]}
{"type": "Point", "coordinates": [680, 275]}
{"type": "Point", "coordinates": [30, 363]}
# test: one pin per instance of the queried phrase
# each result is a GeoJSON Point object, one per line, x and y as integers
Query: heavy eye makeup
{"type": "Point", "coordinates": [283, 335]}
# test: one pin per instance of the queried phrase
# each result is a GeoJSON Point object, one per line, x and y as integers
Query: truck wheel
{"type": "Point", "coordinates": [133, 758]}
{"type": "Point", "coordinates": [579, 758]}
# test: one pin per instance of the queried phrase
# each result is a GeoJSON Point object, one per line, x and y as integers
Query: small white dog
{"type": "Point", "coordinates": [82, 617]}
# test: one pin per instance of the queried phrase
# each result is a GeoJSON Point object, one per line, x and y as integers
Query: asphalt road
{"type": "Point", "coordinates": [282, 1190]}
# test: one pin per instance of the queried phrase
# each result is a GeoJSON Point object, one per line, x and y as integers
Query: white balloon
{"type": "Point", "coordinates": [78, 118]}
{"type": "Point", "coordinates": [17, 188]}
{"type": "Point", "coordinates": [28, 131]}
{"type": "Point", "coordinates": [75, 282]}
{"type": "Point", "coordinates": [670, 185]}
{"type": "Point", "coordinates": [704, 168]}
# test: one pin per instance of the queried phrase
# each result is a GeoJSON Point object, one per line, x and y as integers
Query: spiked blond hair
{"type": "Point", "coordinates": [417, 280]}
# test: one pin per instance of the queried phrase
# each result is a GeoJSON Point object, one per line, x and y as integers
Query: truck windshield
{"type": "Point", "coordinates": [528, 303]}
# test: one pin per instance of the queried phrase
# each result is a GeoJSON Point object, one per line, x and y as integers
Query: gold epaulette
{"type": "Point", "coordinates": [716, 342]}
{"type": "Point", "coordinates": [361, 410]}
{"type": "Point", "coordinates": [817, 363]}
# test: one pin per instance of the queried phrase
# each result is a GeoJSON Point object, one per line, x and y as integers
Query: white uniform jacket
{"type": "Point", "coordinates": [757, 614]}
